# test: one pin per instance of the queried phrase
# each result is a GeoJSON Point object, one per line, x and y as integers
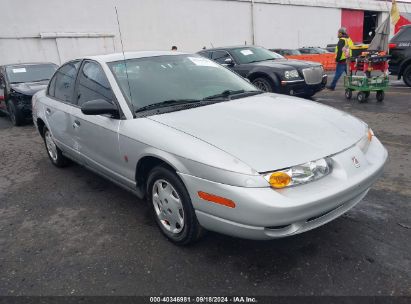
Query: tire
{"type": "Point", "coordinates": [54, 153]}
{"type": "Point", "coordinates": [264, 84]}
{"type": "Point", "coordinates": [406, 76]}
{"type": "Point", "coordinates": [380, 96]}
{"type": "Point", "coordinates": [361, 97]}
{"type": "Point", "coordinates": [173, 212]}
{"type": "Point", "coordinates": [348, 94]}
{"type": "Point", "coordinates": [15, 114]}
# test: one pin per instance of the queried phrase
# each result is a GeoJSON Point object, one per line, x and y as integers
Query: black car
{"type": "Point", "coordinates": [270, 71]}
{"type": "Point", "coordinates": [400, 51]}
{"type": "Point", "coordinates": [18, 83]}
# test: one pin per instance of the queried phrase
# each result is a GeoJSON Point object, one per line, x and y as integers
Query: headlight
{"type": "Point", "coordinates": [291, 74]}
{"type": "Point", "coordinates": [299, 174]}
{"type": "Point", "coordinates": [365, 141]}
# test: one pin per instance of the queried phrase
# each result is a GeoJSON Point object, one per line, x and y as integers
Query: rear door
{"type": "Point", "coordinates": [59, 107]}
{"type": "Point", "coordinates": [96, 135]}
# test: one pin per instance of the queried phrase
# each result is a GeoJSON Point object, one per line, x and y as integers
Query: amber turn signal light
{"type": "Point", "coordinates": [216, 199]}
{"type": "Point", "coordinates": [279, 180]}
{"type": "Point", "coordinates": [370, 134]}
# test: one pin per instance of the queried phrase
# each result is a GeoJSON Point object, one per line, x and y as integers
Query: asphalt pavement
{"type": "Point", "coordinates": [71, 232]}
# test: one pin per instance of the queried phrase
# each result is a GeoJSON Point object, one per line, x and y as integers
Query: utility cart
{"type": "Point", "coordinates": [366, 83]}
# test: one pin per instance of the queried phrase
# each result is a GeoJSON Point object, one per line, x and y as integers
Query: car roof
{"type": "Point", "coordinates": [132, 55]}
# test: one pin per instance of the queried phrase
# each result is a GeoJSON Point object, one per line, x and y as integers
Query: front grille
{"type": "Point", "coordinates": [313, 75]}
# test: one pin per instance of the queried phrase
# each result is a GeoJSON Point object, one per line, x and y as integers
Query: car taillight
{"type": "Point", "coordinates": [392, 45]}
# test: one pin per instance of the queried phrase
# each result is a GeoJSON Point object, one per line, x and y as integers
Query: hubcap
{"type": "Point", "coordinates": [51, 146]}
{"type": "Point", "coordinates": [261, 85]}
{"type": "Point", "coordinates": [168, 206]}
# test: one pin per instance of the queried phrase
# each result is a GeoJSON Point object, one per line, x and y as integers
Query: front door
{"type": "Point", "coordinates": [96, 135]}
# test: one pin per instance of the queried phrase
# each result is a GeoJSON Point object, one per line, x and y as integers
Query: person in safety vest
{"type": "Point", "coordinates": [342, 52]}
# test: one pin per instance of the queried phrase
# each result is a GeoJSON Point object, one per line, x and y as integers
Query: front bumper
{"type": "Point", "coordinates": [264, 213]}
{"type": "Point", "coordinates": [301, 88]}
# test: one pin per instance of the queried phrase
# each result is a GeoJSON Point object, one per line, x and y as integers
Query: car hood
{"type": "Point", "coordinates": [287, 64]}
{"type": "Point", "coordinates": [269, 131]}
{"type": "Point", "coordinates": [29, 88]}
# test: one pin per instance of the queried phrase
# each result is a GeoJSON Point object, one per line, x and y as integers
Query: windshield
{"type": "Point", "coordinates": [154, 80]}
{"type": "Point", "coordinates": [30, 73]}
{"type": "Point", "coordinates": [253, 54]}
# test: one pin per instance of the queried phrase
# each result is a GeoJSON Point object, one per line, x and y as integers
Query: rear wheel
{"type": "Point", "coordinates": [407, 76]}
{"type": "Point", "coordinates": [15, 114]}
{"type": "Point", "coordinates": [56, 156]}
{"type": "Point", "coordinates": [263, 84]}
{"type": "Point", "coordinates": [172, 207]}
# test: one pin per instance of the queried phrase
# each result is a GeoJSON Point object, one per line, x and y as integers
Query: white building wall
{"type": "Point", "coordinates": [285, 26]}
{"type": "Point", "coordinates": [56, 30]}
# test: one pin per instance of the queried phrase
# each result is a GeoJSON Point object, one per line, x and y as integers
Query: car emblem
{"type": "Point", "coordinates": [355, 162]}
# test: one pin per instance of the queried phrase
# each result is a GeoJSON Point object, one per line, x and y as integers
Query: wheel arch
{"type": "Point", "coordinates": [40, 126]}
{"type": "Point", "coordinates": [273, 78]}
{"type": "Point", "coordinates": [149, 161]}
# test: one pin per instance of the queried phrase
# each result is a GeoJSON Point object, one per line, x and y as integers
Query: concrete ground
{"type": "Point", "coordinates": [70, 232]}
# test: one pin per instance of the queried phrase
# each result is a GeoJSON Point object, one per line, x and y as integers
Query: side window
{"type": "Point", "coordinates": [63, 82]}
{"type": "Point", "coordinates": [52, 86]}
{"type": "Point", "coordinates": [405, 35]}
{"type": "Point", "coordinates": [93, 84]}
{"type": "Point", "coordinates": [220, 56]}
{"type": "Point", "coordinates": [205, 54]}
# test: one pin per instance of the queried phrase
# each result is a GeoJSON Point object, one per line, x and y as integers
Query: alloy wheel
{"type": "Point", "coordinates": [261, 85]}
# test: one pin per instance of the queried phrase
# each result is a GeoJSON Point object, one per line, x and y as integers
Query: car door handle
{"type": "Point", "coordinates": [76, 124]}
{"type": "Point", "coordinates": [48, 111]}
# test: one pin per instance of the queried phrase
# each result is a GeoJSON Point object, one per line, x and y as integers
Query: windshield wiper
{"type": "Point", "coordinates": [227, 93]}
{"type": "Point", "coordinates": [166, 103]}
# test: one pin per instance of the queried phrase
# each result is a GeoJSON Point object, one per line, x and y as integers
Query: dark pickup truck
{"type": "Point", "coordinates": [400, 51]}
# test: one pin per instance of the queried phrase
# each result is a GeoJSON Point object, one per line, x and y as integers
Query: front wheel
{"type": "Point", "coordinates": [263, 84]}
{"type": "Point", "coordinates": [380, 96]}
{"type": "Point", "coordinates": [361, 97]}
{"type": "Point", "coordinates": [172, 207]}
{"type": "Point", "coordinates": [406, 76]}
{"type": "Point", "coordinates": [348, 94]}
{"type": "Point", "coordinates": [15, 114]}
{"type": "Point", "coordinates": [56, 156]}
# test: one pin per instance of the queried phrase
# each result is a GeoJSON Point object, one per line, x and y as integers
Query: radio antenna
{"type": "Point", "coordinates": [124, 57]}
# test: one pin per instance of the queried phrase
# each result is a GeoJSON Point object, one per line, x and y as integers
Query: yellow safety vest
{"type": "Point", "coordinates": [347, 49]}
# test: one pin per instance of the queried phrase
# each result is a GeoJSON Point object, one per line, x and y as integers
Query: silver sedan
{"type": "Point", "coordinates": [204, 147]}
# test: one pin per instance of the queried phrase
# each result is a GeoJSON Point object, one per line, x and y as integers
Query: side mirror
{"type": "Point", "coordinates": [228, 62]}
{"type": "Point", "coordinates": [99, 107]}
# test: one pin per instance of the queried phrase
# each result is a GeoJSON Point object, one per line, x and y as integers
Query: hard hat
{"type": "Point", "coordinates": [342, 30]}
